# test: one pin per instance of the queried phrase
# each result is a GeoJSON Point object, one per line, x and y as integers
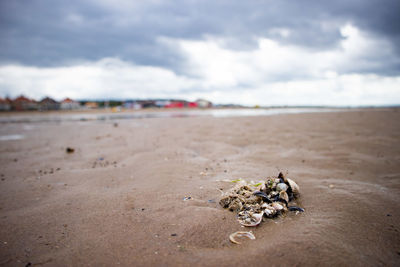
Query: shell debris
{"type": "Point", "coordinates": [249, 235]}
{"type": "Point", "coordinates": [268, 198]}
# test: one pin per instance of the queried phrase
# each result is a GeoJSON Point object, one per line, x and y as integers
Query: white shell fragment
{"type": "Point", "coordinates": [277, 206]}
{"type": "Point", "coordinates": [269, 211]}
{"type": "Point", "coordinates": [281, 187]}
{"type": "Point", "coordinates": [249, 235]}
{"type": "Point", "coordinates": [253, 220]}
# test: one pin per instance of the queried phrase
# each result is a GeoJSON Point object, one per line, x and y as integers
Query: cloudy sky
{"type": "Point", "coordinates": [270, 52]}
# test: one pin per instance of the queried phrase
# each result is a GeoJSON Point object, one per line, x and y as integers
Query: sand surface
{"type": "Point", "coordinates": [118, 199]}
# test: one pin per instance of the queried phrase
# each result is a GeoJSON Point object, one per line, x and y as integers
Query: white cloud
{"type": "Point", "coordinates": [221, 67]}
{"type": "Point", "coordinates": [272, 74]}
{"type": "Point", "coordinates": [107, 78]}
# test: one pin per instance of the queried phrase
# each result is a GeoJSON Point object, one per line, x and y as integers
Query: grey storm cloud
{"type": "Point", "coordinates": [52, 33]}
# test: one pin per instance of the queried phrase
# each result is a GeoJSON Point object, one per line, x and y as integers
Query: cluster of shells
{"type": "Point", "coordinates": [266, 199]}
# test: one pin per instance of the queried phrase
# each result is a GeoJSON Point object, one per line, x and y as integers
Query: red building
{"type": "Point", "coordinates": [176, 104]}
{"type": "Point", "coordinates": [24, 103]}
{"type": "Point", "coordinates": [192, 105]}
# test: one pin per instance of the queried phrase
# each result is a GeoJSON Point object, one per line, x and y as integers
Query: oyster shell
{"type": "Point", "coordinates": [235, 205]}
{"type": "Point", "coordinates": [225, 201]}
{"type": "Point", "coordinates": [284, 196]}
{"type": "Point", "coordinates": [249, 235]}
{"type": "Point", "coordinates": [248, 218]}
{"type": "Point", "coordinates": [294, 187]}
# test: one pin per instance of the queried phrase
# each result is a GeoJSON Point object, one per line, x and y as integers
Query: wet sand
{"type": "Point", "coordinates": [118, 199]}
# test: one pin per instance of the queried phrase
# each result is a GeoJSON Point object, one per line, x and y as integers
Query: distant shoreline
{"type": "Point", "coordinates": [127, 114]}
{"type": "Point", "coordinates": [124, 110]}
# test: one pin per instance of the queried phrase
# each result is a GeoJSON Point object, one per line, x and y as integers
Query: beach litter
{"type": "Point", "coordinates": [265, 199]}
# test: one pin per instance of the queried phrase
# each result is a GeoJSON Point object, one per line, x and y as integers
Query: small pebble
{"type": "Point", "coordinates": [173, 234]}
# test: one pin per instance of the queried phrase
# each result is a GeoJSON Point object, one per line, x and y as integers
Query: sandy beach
{"type": "Point", "coordinates": [118, 200]}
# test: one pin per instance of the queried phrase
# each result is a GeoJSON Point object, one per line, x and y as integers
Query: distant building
{"type": "Point", "coordinates": [68, 104]}
{"type": "Point", "coordinates": [147, 103]}
{"type": "Point", "coordinates": [202, 103]}
{"type": "Point", "coordinates": [175, 104]}
{"type": "Point", "coordinates": [192, 105]}
{"type": "Point", "coordinates": [48, 103]}
{"type": "Point", "coordinates": [4, 104]}
{"type": "Point", "coordinates": [24, 103]}
{"type": "Point", "coordinates": [132, 105]}
{"type": "Point", "coordinates": [162, 103]}
{"type": "Point", "coordinates": [91, 105]}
